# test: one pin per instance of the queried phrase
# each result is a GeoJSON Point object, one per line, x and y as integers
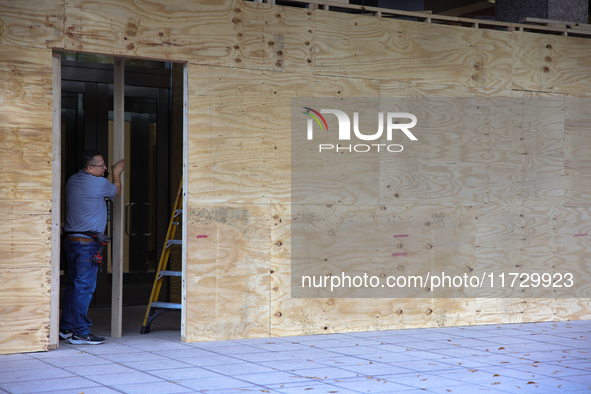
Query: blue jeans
{"type": "Point", "coordinates": [79, 287]}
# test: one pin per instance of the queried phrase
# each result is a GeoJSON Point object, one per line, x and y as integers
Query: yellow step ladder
{"type": "Point", "coordinates": [155, 307]}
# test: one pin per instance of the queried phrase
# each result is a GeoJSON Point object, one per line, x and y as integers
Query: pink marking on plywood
{"type": "Point", "coordinates": [580, 235]}
{"type": "Point", "coordinates": [402, 235]}
{"type": "Point", "coordinates": [202, 236]}
{"type": "Point", "coordinates": [398, 254]}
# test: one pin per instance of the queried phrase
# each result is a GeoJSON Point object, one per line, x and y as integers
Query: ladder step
{"type": "Point", "coordinates": [165, 305]}
{"type": "Point", "coordinates": [170, 273]}
{"type": "Point", "coordinates": [156, 308]}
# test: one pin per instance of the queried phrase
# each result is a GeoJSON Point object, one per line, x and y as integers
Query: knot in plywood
{"type": "Point", "coordinates": [131, 29]}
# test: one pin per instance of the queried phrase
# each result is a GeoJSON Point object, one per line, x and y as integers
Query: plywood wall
{"type": "Point", "coordinates": [25, 198]}
{"type": "Point", "coordinates": [523, 199]}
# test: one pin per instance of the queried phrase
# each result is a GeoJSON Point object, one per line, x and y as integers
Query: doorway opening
{"type": "Point", "coordinates": [154, 101]}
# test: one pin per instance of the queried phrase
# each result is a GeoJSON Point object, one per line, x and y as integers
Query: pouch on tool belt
{"type": "Point", "coordinates": [103, 240]}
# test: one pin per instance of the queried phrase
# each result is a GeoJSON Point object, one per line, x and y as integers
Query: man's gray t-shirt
{"type": "Point", "coordinates": [86, 209]}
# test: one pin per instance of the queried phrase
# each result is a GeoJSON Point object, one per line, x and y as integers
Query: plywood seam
{"type": "Point", "coordinates": [267, 70]}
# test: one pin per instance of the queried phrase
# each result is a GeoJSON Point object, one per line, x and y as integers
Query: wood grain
{"type": "Point", "coordinates": [25, 240]}
{"type": "Point", "coordinates": [550, 63]}
{"type": "Point", "coordinates": [24, 319]}
{"type": "Point", "coordinates": [32, 24]}
{"type": "Point", "coordinates": [240, 121]}
{"type": "Point", "coordinates": [26, 189]}
{"type": "Point", "coordinates": [577, 164]}
{"type": "Point", "coordinates": [477, 150]}
{"type": "Point", "coordinates": [297, 316]}
{"type": "Point", "coordinates": [228, 271]}
{"type": "Point", "coordinates": [25, 143]}
{"type": "Point", "coordinates": [502, 177]}
{"type": "Point", "coordinates": [361, 46]}
{"type": "Point", "coordinates": [228, 33]}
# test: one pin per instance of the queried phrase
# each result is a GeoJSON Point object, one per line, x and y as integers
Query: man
{"type": "Point", "coordinates": [86, 213]}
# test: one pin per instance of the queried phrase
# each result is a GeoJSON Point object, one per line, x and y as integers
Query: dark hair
{"type": "Point", "coordinates": [87, 158]}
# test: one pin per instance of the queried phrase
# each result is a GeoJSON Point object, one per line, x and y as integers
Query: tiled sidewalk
{"type": "Point", "coordinates": [514, 358]}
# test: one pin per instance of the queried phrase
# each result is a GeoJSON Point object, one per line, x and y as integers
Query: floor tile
{"type": "Point", "coordinates": [313, 354]}
{"type": "Point", "coordinates": [56, 384]}
{"type": "Point", "coordinates": [339, 361]}
{"type": "Point", "coordinates": [315, 389]}
{"type": "Point", "coordinates": [62, 351]}
{"type": "Point", "coordinates": [239, 369]}
{"type": "Point", "coordinates": [373, 385]}
{"type": "Point", "coordinates": [552, 357]}
{"type": "Point", "coordinates": [138, 356]}
{"type": "Point", "coordinates": [235, 350]}
{"type": "Point", "coordinates": [155, 365]}
{"type": "Point", "coordinates": [187, 353]}
{"type": "Point", "coordinates": [124, 378]}
{"type": "Point", "coordinates": [280, 346]}
{"type": "Point", "coordinates": [325, 343]}
{"type": "Point", "coordinates": [25, 374]}
{"type": "Point", "coordinates": [477, 376]}
{"type": "Point", "coordinates": [106, 348]}
{"type": "Point", "coordinates": [84, 390]}
{"type": "Point", "coordinates": [464, 389]}
{"type": "Point", "coordinates": [77, 359]}
{"type": "Point", "coordinates": [272, 377]}
{"type": "Point", "coordinates": [19, 364]}
{"type": "Point", "coordinates": [184, 373]}
{"type": "Point", "coordinates": [376, 369]}
{"type": "Point", "coordinates": [465, 362]}
{"type": "Point", "coordinates": [386, 357]}
{"type": "Point", "coordinates": [427, 345]}
{"type": "Point", "coordinates": [326, 373]}
{"type": "Point", "coordinates": [224, 382]}
{"type": "Point", "coordinates": [6, 358]}
{"type": "Point", "coordinates": [98, 369]}
{"type": "Point", "coordinates": [152, 388]}
{"type": "Point", "coordinates": [212, 360]}
{"type": "Point", "coordinates": [583, 378]}
{"type": "Point", "coordinates": [429, 365]}
{"type": "Point", "coordinates": [245, 390]}
{"type": "Point", "coordinates": [264, 356]}
{"type": "Point", "coordinates": [293, 364]}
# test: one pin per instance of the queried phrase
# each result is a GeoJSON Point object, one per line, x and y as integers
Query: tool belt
{"type": "Point", "coordinates": [101, 239]}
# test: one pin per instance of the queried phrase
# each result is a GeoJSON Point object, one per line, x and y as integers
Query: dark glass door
{"type": "Point", "coordinates": [87, 105]}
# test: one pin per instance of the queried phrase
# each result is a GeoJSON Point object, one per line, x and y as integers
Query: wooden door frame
{"type": "Point", "coordinates": [118, 208]}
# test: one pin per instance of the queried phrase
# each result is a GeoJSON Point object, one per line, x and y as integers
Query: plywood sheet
{"type": "Point", "coordinates": [228, 33]}
{"type": "Point", "coordinates": [519, 310]}
{"type": "Point", "coordinates": [478, 150]}
{"type": "Point", "coordinates": [25, 143]}
{"type": "Point", "coordinates": [31, 23]}
{"type": "Point", "coordinates": [382, 241]}
{"type": "Point", "coordinates": [397, 88]}
{"type": "Point", "coordinates": [228, 271]}
{"type": "Point", "coordinates": [26, 192]}
{"type": "Point", "coordinates": [24, 320]}
{"type": "Point", "coordinates": [551, 63]}
{"type": "Point", "coordinates": [25, 240]}
{"type": "Point", "coordinates": [577, 164]}
{"type": "Point", "coordinates": [298, 316]}
{"type": "Point", "coordinates": [240, 130]}
{"type": "Point", "coordinates": [538, 240]}
{"type": "Point", "coordinates": [361, 46]}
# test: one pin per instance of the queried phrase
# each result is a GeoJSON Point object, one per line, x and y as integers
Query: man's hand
{"type": "Point", "coordinates": [118, 167]}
